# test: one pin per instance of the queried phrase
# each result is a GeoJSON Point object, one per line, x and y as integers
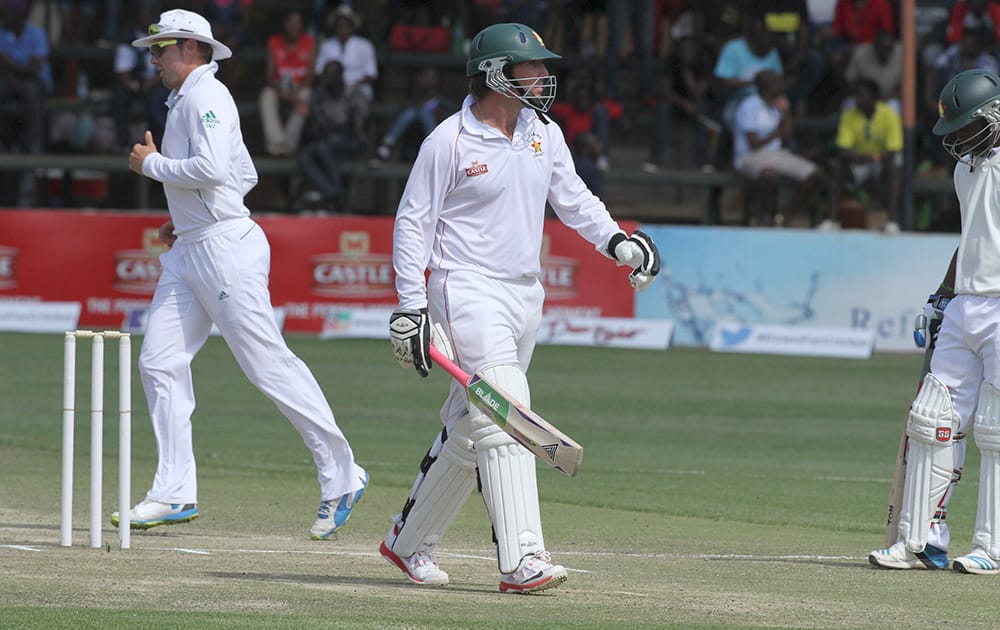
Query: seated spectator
{"type": "Point", "coordinates": [582, 114]}
{"type": "Point", "coordinates": [869, 150]}
{"type": "Point", "coordinates": [880, 62]}
{"type": "Point", "coordinates": [425, 112]}
{"type": "Point", "coordinates": [290, 59]}
{"type": "Point", "coordinates": [337, 117]}
{"type": "Point", "coordinates": [974, 15]}
{"type": "Point", "coordinates": [741, 60]}
{"type": "Point", "coordinates": [788, 22]}
{"type": "Point", "coordinates": [856, 22]}
{"type": "Point", "coordinates": [355, 54]}
{"type": "Point", "coordinates": [684, 92]}
{"type": "Point", "coordinates": [762, 131]}
{"type": "Point", "coordinates": [137, 81]}
{"type": "Point", "coordinates": [25, 77]}
{"type": "Point", "coordinates": [967, 54]}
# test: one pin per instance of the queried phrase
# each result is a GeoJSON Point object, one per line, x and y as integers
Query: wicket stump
{"type": "Point", "coordinates": [97, 434]}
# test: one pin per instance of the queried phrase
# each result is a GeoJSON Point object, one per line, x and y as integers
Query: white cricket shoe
{"type": "Point", "coordinates": [899, 557]}
{"type": "Point", "coordinates": [419, 568]}
{"type": "Point", "coordinates": [977, 562]}
{"type": "Point", "coordinates": [333, 513]}
{"type": "Point", "coordinates": [535, 573]}
{"type": "Point", "coordinates": [150, 513]}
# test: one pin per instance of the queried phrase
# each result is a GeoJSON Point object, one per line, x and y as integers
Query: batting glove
{"type": "Point", "coordinates": [410, 334]}
{"type": "Point", "coordinates": [638, 252]}
{"type": "Point", "coordinates": [929, 322]}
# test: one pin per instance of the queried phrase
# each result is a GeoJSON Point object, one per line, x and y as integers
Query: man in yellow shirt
{"type": "Point", "coordinates": [869, 149]}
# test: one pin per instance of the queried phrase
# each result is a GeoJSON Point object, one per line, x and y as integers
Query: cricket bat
{"type": "Point", "coordinates": [899, 476]}
{"type": "Point", "coordinates": [531, 431]}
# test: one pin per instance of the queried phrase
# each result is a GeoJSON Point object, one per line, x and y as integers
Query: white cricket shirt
{"type": "Point", "coordinates": [978, 191]}
{"type": "Point", "coordinates": [475, 201]}
{"type": "Point", "coordinates": [203, 163]}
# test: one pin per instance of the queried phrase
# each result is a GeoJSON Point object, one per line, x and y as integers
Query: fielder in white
{"type": "Point", "coordinates": [216, 271]}
{"type": "Point", "coordinates": [960, 392]}
{"type": "Point", "coordinates": [472, 212]}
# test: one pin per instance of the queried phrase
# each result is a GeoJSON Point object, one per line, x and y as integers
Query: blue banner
{"type": "Point", "coordinates": [852, 279]}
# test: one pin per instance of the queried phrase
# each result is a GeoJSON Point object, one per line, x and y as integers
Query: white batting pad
{"type": "Point", "coordinates": [987, 434]}
{"type": "Point", "coordinates": [507, 478]}
{"type": "Point", "coordinates": [931, 424]}
{"type": "Point", "coordinates": [447, 477]}
{"type": "Point", "coordinates": [510, 491]}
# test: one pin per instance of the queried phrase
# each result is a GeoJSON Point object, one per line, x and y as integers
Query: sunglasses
{"type": "Point", "coordinates": [158, 48]}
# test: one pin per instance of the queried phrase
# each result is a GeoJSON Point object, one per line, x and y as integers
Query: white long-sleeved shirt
{"type": "Point", "coordinates": [978, 265]}
{"type": "Point", "coordinates": [475, 200]}
{"type": "Point", "coordinates": [203, 163]}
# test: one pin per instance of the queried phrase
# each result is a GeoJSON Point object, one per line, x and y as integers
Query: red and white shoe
{"type": "Point", "coordinates": [535, 573]}
{"type": "Point", "coordinates": [419, 568]}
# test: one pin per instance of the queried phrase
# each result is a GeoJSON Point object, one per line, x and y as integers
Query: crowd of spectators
{"type": "Point", "coordinates": [644, 72]}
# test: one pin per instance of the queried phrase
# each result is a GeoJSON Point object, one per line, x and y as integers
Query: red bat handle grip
{"type": "Point", "coordinates": [449, 366]}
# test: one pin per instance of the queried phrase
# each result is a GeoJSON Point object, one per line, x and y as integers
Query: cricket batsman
{"type": "Point", "coordinates": [472, 213]}
{"type": "Point", "coordinates": [961, 391]}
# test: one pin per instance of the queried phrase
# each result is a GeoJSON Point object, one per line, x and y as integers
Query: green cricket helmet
{"type": "Point", "coordinates": [497, 46]}
{"type": "Point", "coordinates": [969, 95]}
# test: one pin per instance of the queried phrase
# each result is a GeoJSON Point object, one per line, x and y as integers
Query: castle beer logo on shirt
{"type": "Point", "coordinates": [476, 169]}
{"type": "Point", "coordinates": [210, 120]}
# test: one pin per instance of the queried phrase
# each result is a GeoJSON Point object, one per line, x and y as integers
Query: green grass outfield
{"type": "Point", "coordinates": [716, 491]}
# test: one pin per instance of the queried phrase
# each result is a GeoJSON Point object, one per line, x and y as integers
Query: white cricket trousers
{"type": "Point", "coordinates": [220, 275]}
{"type": "Point", "coordinates": [966, 354]}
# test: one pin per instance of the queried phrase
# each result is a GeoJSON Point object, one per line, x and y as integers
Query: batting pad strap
{"type": "Point", "coordinates": [987, 434]}
{"type": "Point", "coordinates": [930, 426]}
{"type": "Point", "coordinates": [447, 478]}
{"type": "Point", "coordinates": [510, 492]}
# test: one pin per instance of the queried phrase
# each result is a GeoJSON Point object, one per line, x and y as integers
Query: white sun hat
{"type": "Point", "coordinates": [181, 24]}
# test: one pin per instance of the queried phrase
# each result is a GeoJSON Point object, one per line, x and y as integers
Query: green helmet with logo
{"type": "Point", "coordinates": [511, 42]}
{"type": "Point", "coordinates": [500, 45]}
{"type": "Point", "coordinates": [968, 95]}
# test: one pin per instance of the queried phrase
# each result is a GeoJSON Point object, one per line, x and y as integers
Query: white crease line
{"type": "Point", "coordinates": [616, 554]}
{"type": "Point", "coordinates": [20, 547]}
{"type": "Point", "coordinates": [469, 556]}
{"type": "Point", "coordinates": [629, 593]}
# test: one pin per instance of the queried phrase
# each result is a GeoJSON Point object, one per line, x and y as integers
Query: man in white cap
{"type": "Point", "coordinates": [216, 271]}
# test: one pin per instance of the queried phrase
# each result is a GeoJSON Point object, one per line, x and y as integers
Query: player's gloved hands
{"type": "Point", "coordinates": [638, 252]}
{"type": "Point", "coordinates": [410, 334]}
{"type": "Point", "coordinates": [925, 329]}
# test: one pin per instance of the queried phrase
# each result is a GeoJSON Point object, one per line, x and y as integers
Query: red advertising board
{"type": "Point", "coordinates": [108, 262]}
